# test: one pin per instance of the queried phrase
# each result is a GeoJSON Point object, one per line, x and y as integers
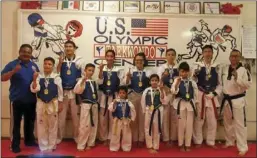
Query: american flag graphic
{"type": "Point", "coordinates": [149, 27]}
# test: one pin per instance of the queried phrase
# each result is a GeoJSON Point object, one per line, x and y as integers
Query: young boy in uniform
{"type": "Point", "coordinates": [186, 92]}
{"type": "Point", "coordinates": [87, 89]}
{"type": "Point", "coordinates": [48, 87]}
{"type": "Point", "coordinates": [123, 112]}
{"type": "Point", "coordinates": [152, 100]}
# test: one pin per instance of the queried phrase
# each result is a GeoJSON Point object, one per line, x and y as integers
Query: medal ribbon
{"type": "Point", "coordinates": [140, 74]}
{"type": "Point", "coordinates": [109, 73]}
{"type": "Point", "coordinates": [208, 69]}
{"type": "Point", "coordinates": [123, 108]}
{"type": "Point", "coordinates": [152, 96]}
{"type": "Point", "coordinates": [92, 87]}
{"type": "Point", "coordinates": [170, 70]}
{"type": "Point", "coordinates": [186, 83]}
{"type": "Point", "coordinates": [46, 81]}
{"type": "Point", "coordinates": [69, 62]}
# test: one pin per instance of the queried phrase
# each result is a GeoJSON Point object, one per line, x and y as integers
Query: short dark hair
{"type": "Point", "coordinates": [153, 76]}
{"type": "Point", "coordinates": [171, 50]}
{"type": "Point", "coordinates": [110, 50]}
{"type": "Point", "coordinates": [141, 54]}
{"type": "Point", "coordinates": [207, 46]}
{"type": "Point", "coordinates": [71, 42]}
{"type": "Point", "coordinates": [236, 50]}
{"type": "Point", "coordinates": [184, 66]}
{"type": "Point", "coordinates": [124, 88]}
{"type": "Point", "coordinates": [89, 65]}
{"type": "Point", "coordinates": [26, 45]}
{"type": "Point", "coordinates": [50, 59]}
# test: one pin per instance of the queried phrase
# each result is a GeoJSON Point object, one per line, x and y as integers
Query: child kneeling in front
{"type": "Point", "coordinates": [86, 88]}
{"type": "Point", "coordinates": [48, 87]}
{"type": "Point", "coordinates": [152, 102]}
{"type": "Point", "coordinates": [123, 112]}
{"type": "Point", "coordinates": [185, 91]}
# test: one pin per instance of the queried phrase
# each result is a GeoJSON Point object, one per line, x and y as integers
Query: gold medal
{"type": "Point", "coordinates": [46, 91]}
{"type": "Point", "coordinates": [187, 96]}
{"type": "Point", "coordinates": [152, 107]}
{"type": "Point", "coordinates": [108, 83]}
{"type": "Point", "coordinates": [171, 80]}
{"type": "Point", "coordinates": [140, 84]}
{"type": "Point", "coordinates": [94, 96]}
{"type": "Point", "coordinates": [209, 76]}
{"type": "Point", "coordinates": [69, 72]}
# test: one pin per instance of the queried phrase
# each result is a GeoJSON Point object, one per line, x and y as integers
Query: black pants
{"type": "Point", "coordinates": [29, 112]}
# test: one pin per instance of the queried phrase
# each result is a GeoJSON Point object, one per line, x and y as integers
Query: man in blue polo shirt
{"type": "Point", "coordinates": [20, 72]}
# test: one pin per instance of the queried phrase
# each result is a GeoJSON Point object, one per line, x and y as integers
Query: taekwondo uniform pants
{"type": "Point", "coordinates": [185, 127]}
{"type": "Point", "coordinates": [87, 125]}
{"type": "Point", "coordinates": [235, 129]}
{"type": "Point", "coordinates": [47, 119]}
{"type": "Point", "coordinates": [209, 114]}
{"type": "Point", "coordinates": [153, 140]}
{"type": "Point", "coordinates": [68, 101]}
{"type": "Point", "coordinates": [137, 126]}
{"type": "Point", "coordinates": [121, 135]}
{"type": "Point", "coordinates": [105, 121]}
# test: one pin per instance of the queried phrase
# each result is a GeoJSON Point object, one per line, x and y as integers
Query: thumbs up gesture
{"type": "Point", "coordinates": [129, 74]}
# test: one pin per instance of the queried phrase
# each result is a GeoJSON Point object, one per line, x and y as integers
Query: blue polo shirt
{"type": "Point", "coordinates": [20, 81]}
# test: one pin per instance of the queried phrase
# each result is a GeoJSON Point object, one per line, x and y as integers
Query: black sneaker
{"type": "Point", "coordinates": [16, 150]}
{"type": "Point", "coordinates": [32, 144]}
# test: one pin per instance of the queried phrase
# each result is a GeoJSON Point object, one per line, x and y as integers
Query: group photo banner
{"type": "Point", "coordinates": [128, 34]}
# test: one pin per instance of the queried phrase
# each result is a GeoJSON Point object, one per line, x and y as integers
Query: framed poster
{"type": "Point", "coordinates": [172, 7]}
{"type": "Point", "coordinates": [51, 5]}
{"type": "Point", "coordinates": [111, 6]}
{"type": "Point", "coordinates": [192, 7]}
{"type": "Point", "coordinates": [211, 7]}
{"type": "Point", "coordinates": [152, 7]}
{"type": "Point", "coordinates": [91, 5]}
{"type": "Point", "coordinates": [131, 6]}
{"type": "Point", "coordinates": [70, 5]}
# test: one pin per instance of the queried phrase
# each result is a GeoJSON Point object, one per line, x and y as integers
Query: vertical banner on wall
{"type": "Point", "coordinates": [129, 35]}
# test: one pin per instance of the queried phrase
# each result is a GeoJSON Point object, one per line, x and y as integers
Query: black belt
{"type": "Point", "coordinates": [206, 91]}
{"type": "Point", "coordinates": [91, 110]}
{"type": "Point", "coordinates": [229, 99]}
{"type": "Point", "coordinates": [192, 104]}
{"type": "Point", "coordinates": [159, 121]}
{"type": "Point", "coordinates": [106, 102]}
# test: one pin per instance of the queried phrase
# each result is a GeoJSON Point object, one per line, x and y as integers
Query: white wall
{"type": "Point", "coordinates": [9, 52]}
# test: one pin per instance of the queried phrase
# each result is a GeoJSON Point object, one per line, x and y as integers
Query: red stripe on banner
{"type": "Point", "coordinates": [154, 22]}
{"type": "Point", "coordinates": [157, 19]}
{"type": "Point", "coordinates": [148, 34]}
{"type": "Point", "coordinates": [152, 30]}
{"type": "Point", "coordinates": [156, 27]}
